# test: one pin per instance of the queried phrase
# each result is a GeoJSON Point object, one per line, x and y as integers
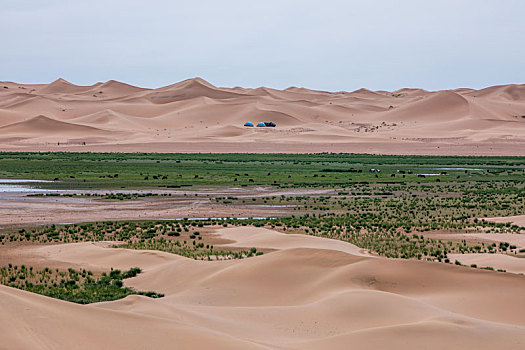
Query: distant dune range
{"type": "Point", "coordinates": [195, 116]}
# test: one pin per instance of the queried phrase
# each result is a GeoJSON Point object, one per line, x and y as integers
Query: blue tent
{"type": "Point", "coordinates": [248, 124]}
{"type": "Point", "coordinates": [261, 124]}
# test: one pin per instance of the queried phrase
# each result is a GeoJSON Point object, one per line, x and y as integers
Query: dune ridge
{"type": "Point", "coordinates": [194, 112]}
{"type": "Point", "coordinates": [310, 293]}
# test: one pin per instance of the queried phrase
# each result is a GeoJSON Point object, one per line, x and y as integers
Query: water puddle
{"type": "Point", "coordinates": [473, 169]}
{"type": "Point", "coordinates": [18, 185]}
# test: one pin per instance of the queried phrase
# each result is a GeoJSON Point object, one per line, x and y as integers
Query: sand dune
{"type": "Point", "coordinates": [30, 321]}
{"type": "Point", "coordinates": [44, 129]}
{"type": "Point", "coordinates": [434, 108]}
{"type": "Point", "coordinates": [46, 125]}
{"type": "Point", "coordinates": [310, 293]}
{"type": "Point", "coordinates": [515, 239]}
{"type": "Point", "coordinates": [61, 86]}
{"type": "Point", "coordinates": [516, 220]}
{"type": "Point", "coordinates": [511, 92]}
{"type": "Point", "coordinates": [108, 119]}
{"type": "Point", "coordinates": [112, 89]}
{"type": "Point", "coordinates": [189, 89]}
{"type": "Point", "coordinates": [496, 261]}
{"type": "Point", "coordinates": [199, 116]}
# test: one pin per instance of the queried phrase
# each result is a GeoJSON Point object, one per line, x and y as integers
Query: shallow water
{"type": "Point", "coordinates": [473, 169]}
{"type": "Point", "coordinates": [19, 181]}
{"type": "Point", "coordinates": [16, 185]}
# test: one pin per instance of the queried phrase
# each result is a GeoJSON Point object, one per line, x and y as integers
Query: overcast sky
{"type": "Point", "coordinates": [325, 45]}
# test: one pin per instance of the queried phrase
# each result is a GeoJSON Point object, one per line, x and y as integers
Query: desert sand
{"type": "Point", "coordinates": [309, 293]}
{"type": "Point", "coordinates": [304, 292]}
{"type": "Point", "coordinates": [195, 116]}
{"type": "Point", "coordinates": [508, 262]}
{"type": "Point", "coordinates": [516, 219]}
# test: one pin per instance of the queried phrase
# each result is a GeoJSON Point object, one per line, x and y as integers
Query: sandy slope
{"type": "Point", "coordinates": [193, 115]}
{"type": "Point", "coordinates": [515, 220]}
{"type": "Point", "coordinates": [497, 261]}
{"type": "Point", "coordinates": [515, 239]}
{"type": "Point", "coordinates": [508, 262]}
{"type": "Point", "coordinates": [297, 297]}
